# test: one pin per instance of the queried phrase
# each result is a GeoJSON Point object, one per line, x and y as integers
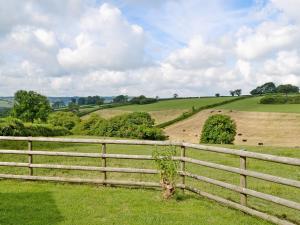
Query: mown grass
{"type": "Point", "coordinates": [29, 203]}
{"type": "Point", "coordinates": [70, 199]}
{"type": "Point", "coordinates": [252, 104]}
{"type": "Point", "coordinates": [174, 104]}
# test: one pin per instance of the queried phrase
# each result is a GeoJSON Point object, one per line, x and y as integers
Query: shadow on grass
{"type": "Point", "coordinates": [28, 208]}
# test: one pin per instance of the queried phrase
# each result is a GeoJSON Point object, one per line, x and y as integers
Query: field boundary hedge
{"type": "Point", "coordinates": [188, 114]}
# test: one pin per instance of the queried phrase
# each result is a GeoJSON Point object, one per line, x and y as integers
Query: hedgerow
{"type": "Point", "coordinates": [137, 125]}
{"type": "Point", "coordinates": [14, 127]}
{"type": "Point", "coordinates": [192, 112]}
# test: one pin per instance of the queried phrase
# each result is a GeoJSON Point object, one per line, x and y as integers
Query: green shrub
{"type": "Point", "coordinates": [15, 127]}
{"type": "Point", "coordinates": [45, 130]}
{"type": "Point", "coordinates": [12, 127]}
{"type": "Point", "coordinates": [280, 99]}
{"type": "Point", "coordinates": [67, 120]}
{"type": "Point", "coordinates": [218, 129]}
{"type": "Point", "coordinates": [273, 100]}
{"type": "Point", "coordinates": [138, 125]}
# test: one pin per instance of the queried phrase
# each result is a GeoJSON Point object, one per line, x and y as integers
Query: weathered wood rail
{"type": "Point", "coordinates": [104, 169]}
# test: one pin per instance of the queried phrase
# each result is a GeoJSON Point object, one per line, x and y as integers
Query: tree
{"type": "Point", "coordinates": [120, 99]}
{"type": "Point", "coordinates": [73, 100]}
{"type": "Point", "coordinates": [238, 92]}
{"type": "Point", "coordinates": [81, 101]}
{"type": "Point", "coordinates": [266, 88]}
{"type": "Point", "coordinates": [232, 93]}
{"type": "Point", "coordinates": [73, 107]}
{"type": "Point", "coordinates": [58, 104]}
{"type": "Point", "coordinates": [175, 95]}
{"type": "Point", "coordinates": [217, 95]}
{"type": "Point", "coordinates": [30, 106]}
{"type": "Point", "coordinates": [142, 100]}
{"type": "Point", "coordinates": [287, 88]}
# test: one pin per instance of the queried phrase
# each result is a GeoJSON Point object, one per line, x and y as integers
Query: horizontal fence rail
{"type": "Point", "coordinates": [183, 159]}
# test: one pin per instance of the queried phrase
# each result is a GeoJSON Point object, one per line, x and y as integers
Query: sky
{"type": "Point", "coordinates": [150, 47]}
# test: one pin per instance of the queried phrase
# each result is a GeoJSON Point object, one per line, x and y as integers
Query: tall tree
{"type": "Point", "coordinates": [120, 99]}
{"type": "Point", "coordinates": [287, 88]}
{"type": "Point", "coordinates": [238, 92]}
{"type": "Point", "coordinates": [30, 106]}
{"type": "Point", "coordinates": [266, 88]}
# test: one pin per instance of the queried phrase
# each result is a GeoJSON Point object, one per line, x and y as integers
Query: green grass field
{"type": "Point", "coordinates": [84, 204]}
{"type": "Point", "coordinates": [5, 104]}
{"type": "Point", "coordinates": [174, 104]}
{"type": "Point", "coordinates": [28, 203]}
{"type": "Point", "coordinates": [252, 104]}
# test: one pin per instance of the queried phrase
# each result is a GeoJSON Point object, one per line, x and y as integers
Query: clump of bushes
{"type": "Point", "coordinates": [67, 120]}
{"type": "Point", "coordinates": [142, 100]}
{"type": "Point", "coordinates": [280, 99]}
{"type": "Point", "coordinates": [218, 129]}
{"type": "Point", "coordinates": [14, 127]}
{"type": "Point", "coordinates": [138, 125]}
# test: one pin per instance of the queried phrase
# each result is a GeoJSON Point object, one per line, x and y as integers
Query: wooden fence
{"type": "Point", "coordinates": [242, 170]}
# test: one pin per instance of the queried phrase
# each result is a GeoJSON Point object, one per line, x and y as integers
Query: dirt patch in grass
{"type": "Point", "coordinates": [266, 128]}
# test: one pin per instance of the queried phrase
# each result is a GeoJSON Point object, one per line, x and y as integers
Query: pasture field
{"type": "Point", "coordinates": [269, 128]}
{"type": "Point", "coordinates": [158, 116]}
{"type": "Point", "coordinates": [161, 111]}
{"type": "Point", "coordinates": [5, 104]}
{"type": "Point", "coordinates": [252, 104]}
{"type": "Point", "coordinates": [84, 204]}
{"type": "Point", "coordinates": [184, 104]}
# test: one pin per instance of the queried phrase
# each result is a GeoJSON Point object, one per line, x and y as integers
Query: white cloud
{"type": "Point", "coordinates": [266, 39]}
{"type": "Point", "coordinates": [285, 63]}
{"type": "Point", "coordinates": [82, 47]}
{"type": "Point", "coordinates": [106, 41]}
{"type": "Point", "coordinates": [291, 8]}
{"type": "Point", "coordinates": [197, 55]}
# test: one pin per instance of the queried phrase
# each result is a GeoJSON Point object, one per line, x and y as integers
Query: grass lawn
{"type": "Point", "coordinates": [84, 204]}
{"type": "Point", "coordinates": [252, 104]}
{"type": "Point", "coordinates": [29, 203]}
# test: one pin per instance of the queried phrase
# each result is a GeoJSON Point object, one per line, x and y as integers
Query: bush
{"type": "Point", "coordinates": [218, 129]}
{"type": "Point", "coordinates": [142, 100]}
{"type": "Point", "coordinates": [15, 127]}
{"type": "Point", "coordinates": [45, 130]}
{"type": "Point", "coordinates": [67, 120]}
{"type": "Point", "coordinates": [280, 99]}
{"type": "Point", "coordinates": [12, 127]}
{"type": "Point", "coordinates": [138, 125]}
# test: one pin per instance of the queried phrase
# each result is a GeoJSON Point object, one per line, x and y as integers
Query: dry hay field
{"type": "Point", "coordinates": [269, 128]}
{"type": "Point", "coordinates": [160, 116]}
{"type": "Point", "coordinates": [161, 111]}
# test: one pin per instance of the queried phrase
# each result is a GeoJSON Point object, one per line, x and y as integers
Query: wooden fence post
{"type": "Point", "coordinates": [30, 158]}
{"type": "Point", "coordinates": [182, 166]}
{"type": "Point", "coordinates": [104, 163]}
{"type": "Point", "coordinates": [243, 179]}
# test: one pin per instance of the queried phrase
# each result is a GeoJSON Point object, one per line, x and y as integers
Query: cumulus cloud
{"type": "Point", "coordinates": [265, 39]}
{"type": "Point", "coordinates": [83, 47]}
{"type": "Point", "coordinates": [197, 55]}
{"type": "Point", "coordinates": [106, 41]}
